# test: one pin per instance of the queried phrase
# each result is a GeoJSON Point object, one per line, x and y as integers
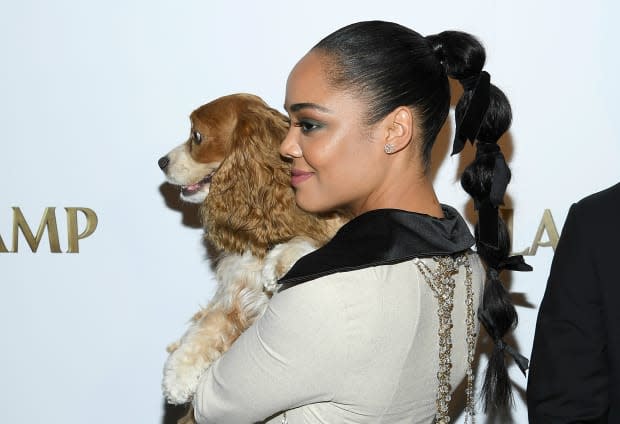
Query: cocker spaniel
{"type": "Point", "coordinates": [231, 165]}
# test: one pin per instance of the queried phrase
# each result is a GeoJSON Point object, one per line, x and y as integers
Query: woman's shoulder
{"type": "Point", "coordinates": [329, 287]}
{"type": "Point", "coordinates": [319, 297]}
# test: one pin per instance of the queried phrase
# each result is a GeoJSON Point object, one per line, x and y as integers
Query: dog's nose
{"type": "Point", "coordinates": [163, 162]}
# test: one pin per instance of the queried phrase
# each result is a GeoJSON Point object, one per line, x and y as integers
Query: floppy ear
{"type": "Point", "coordinates": [251, 205]}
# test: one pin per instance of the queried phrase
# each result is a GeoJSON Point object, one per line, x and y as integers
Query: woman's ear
{"type": "Point", "coordinates": [400, 129]}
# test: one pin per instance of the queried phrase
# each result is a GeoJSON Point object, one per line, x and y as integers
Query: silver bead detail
{"type": "Point", "coordinates": [442, 283]}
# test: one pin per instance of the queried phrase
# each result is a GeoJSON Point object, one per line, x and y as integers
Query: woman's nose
{"type": "Point", "coordinates": [289, 147]}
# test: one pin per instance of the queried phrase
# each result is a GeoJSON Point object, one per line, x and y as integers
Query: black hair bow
{"type": "Point", "coordinates": [501, 172]}
{"type": "Point", "coordinates": [514, 263]}
{"type": "Point", "coordinates": [468, 126]}
{"type": "Point", "coordinates": [488, 207]}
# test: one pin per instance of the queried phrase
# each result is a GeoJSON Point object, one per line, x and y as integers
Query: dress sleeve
{"type": "Point", "coordinates": [569, 372]}
{"type": "Point", "coordinates": [293, 355]}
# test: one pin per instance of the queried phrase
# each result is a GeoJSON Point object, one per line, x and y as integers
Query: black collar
{"type": "Point", "coordinates": [383, 236]}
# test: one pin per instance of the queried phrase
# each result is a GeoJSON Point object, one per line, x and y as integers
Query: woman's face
{"type": "Point", "coordinates": [336, 155]}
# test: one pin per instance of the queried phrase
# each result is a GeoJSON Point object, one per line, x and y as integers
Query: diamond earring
{"type": "Point", "coordinates": [388, 148]}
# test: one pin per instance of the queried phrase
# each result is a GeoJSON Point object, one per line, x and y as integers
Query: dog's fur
{"type": "Point", "coordinates": [231, 165]}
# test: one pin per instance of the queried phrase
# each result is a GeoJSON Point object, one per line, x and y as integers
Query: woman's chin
{"type": "Point", "coordinates": [312, 206]}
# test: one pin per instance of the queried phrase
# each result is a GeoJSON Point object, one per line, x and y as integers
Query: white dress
{"type": "Point", "coordinates": [352, 347]}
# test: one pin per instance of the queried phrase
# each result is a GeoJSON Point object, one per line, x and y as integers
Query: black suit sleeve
{"type": "Point", "coordinates": [568, 377]}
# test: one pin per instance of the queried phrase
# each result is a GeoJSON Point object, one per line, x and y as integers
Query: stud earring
{"type": "Point", "coordinates": [388, 148]}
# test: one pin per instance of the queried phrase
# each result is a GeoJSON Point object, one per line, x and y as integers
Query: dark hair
{"type": "Point", "coordinates": [390, 65]}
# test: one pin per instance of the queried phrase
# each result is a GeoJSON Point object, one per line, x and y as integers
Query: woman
{"type": "Point", "coordinates": [379, 324]}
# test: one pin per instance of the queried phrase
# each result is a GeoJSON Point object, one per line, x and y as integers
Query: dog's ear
{"type": "Point", "coordinates": [251, 205]}
{"type": "Point", "coordinates": [248, 192]}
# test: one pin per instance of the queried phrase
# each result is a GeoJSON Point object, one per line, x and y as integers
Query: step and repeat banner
{"type": "Point", "coordinates": [101, 264]}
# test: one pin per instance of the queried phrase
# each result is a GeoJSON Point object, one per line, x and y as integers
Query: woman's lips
{"type": "Point", "coordinates": [298, 176]}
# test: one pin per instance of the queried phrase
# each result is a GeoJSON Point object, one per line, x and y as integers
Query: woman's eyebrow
{"type": "Point", "coordinates": [296, 107]}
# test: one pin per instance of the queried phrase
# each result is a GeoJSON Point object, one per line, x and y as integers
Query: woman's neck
{"type": "Point", "coordinates": [406, 192]}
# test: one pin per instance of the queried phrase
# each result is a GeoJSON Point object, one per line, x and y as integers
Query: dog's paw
{"type": "Point", "coordinates": [172, 347]}
{"type": "Point", "coordinates": [281, 258]}
{"type": "Point", "coordinates": [182, 372]}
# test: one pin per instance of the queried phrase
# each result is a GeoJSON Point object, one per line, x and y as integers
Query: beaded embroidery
{"type": "Point", "coordinates": [441, 282]}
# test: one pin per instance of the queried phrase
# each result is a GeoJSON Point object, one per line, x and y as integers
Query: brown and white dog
{"type": "Point", "coordinates": [231, 165]}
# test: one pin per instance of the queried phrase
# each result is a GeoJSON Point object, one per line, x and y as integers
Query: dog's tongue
{"type": "Point", "coordinates": [191, 188]}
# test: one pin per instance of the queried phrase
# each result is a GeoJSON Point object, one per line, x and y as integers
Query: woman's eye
{"type": "Point", "coordinates": [197, 137]}
{"type": "Point", "coordinates": [306, 126]}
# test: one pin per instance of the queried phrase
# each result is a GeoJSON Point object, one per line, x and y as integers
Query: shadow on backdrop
{"type": "Point", "coordinates": [174, 414]}
{"type": "Point", "coordinates": [190, 212]}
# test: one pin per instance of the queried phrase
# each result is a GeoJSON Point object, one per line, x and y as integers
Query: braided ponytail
{"type": "Point", "coordinates": [483, 114]}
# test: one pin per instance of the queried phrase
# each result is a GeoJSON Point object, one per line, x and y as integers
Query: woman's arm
{"type": "Point", "coordinates": [293, 355]}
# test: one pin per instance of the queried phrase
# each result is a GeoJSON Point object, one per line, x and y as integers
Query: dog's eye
{"type": "Point", "coordinates": [197, 137]}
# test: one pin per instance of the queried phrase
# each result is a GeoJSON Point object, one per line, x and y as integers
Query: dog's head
{"type": "Point", "coordinates": [231, 165]}
{"type": "Point", "coordinates": [193, 164]}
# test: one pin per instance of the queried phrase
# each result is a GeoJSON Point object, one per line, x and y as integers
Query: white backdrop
{"type": "Point", "coordinates": [93, 93]}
